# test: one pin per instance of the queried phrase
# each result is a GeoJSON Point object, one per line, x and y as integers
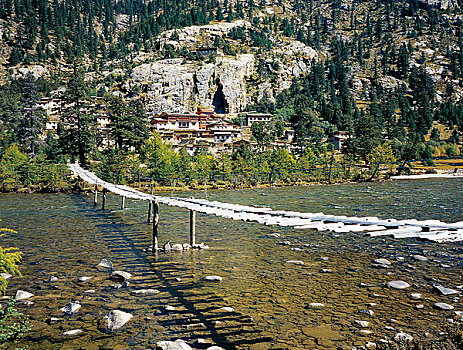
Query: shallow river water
{"type": "Point", "coordinates": [64, 235]}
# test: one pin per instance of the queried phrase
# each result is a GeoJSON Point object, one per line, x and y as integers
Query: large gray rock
{"type": "Point", "coordinates": [174, 86]}
{"type": "Point", "coordinates": [173, 345]}
{"type": "Point", "coordinates": [398, 284]}
{"type": "Point", "coordinates": [115, 320]}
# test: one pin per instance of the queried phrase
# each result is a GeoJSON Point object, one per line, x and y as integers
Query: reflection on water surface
{"type": "Point", "coordinates": [276, 305]}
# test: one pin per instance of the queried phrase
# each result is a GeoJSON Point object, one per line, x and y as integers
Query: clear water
{"type": "Point", "coordinates": [65, 236]}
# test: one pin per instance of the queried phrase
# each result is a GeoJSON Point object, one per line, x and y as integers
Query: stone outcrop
{"type": "Point", "coordinates": [173, 86]}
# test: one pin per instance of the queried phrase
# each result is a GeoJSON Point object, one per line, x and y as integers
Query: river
{"type": "Point", "coordinates": [65, 236]}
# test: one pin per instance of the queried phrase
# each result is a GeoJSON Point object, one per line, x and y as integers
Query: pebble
{"type": "Point", "coordinates": [295, 262]}
{"type": "Point", "coordinates": [168, 308]}
{"type": "Point", "coordinates": [21, 295]}
{"type": "Point", "coordinates": [416, 295]}
{"type": "Point", "coordinates": [443, 306]}
{"type": "Point", "coordinates": [116, 285]}
{"type": "Point", "coordinates": [367, 312]}
{"type": "Point", "coordinates": [285, 243]}
{"type": "Point", "coordinates": [178, 279]}
{"type": "Point", "coordinates": [273, 235]}
{"type": "Point", "coordinates": [53, 279]}
{"type": "Point", "coordinates": [227, 308]}
{"type": "Point", "coordinates": [145, 291]}
{"type": "Point", "coordinates": [398, 284]}
{"type": "Point", "coordinates": [71, 308]}
{"type": "Point", "coordinates": [213, 278]}
{"type": "Point", "coordinates": [90, 291]}
{"type": "Point", "coordinates": [382, 261]}
{"type": "Point", "coordinates": [296, 249]}
{"type": "Point", "coordinates": [326, 271]}
{"type": "Point", "coordinates": [173, 345]}
{"type": "Point", "coordinates": [420, 258]}
{"type": "Point", "coordinates": [316, 305]}
{"type": "Point", "coordinates": [444, 291]}
{"type": "Point", "coordinates": [361, 324]}
{"type": "Point", "coordinates": [54, 320]}
{"type": "Point", "coordinates": [72, 333]}
{"type": "Point", "coordinates": [370, 345]}
{"type": "Point", "coordinates": [403, 337]}
{"type": "Point", "coordinates": [84, 279]}
{"type": "Point", "coordinates": [389, 328]}
{"type": "Point", "coordinates": [419, 306]}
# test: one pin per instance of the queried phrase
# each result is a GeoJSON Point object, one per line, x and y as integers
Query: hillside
{"type": "Point", "coordinates": [382, 70]}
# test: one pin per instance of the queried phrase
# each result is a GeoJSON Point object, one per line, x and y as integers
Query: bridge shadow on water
{"type": "Point", "coordinates": [199, 312]}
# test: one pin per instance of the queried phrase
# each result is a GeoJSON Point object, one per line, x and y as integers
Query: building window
{"type": "Point", "coordinates": [183, 124]}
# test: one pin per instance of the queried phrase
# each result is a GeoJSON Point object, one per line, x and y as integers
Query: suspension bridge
{"type": "Point", "coordinates": [432, 230]}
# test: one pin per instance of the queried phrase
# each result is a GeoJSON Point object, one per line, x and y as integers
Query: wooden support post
{"type": "Point", "coordinates": [155, 227]}
{"type": "Point", "coordinates": [95, 196]}
{"type": "Point", "coordinates": [103, 203]}
{"type": "Point", "coordinates": [192, 227]}
{"type": "Point", "coordinates": [123, 203]}
{"type": "Point", "coordinates": [150, 206]}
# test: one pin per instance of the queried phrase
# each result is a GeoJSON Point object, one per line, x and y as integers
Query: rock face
{"type": "Point", "coordinates": [115, 320]}
{"type": "Point", "coordinates": [174, 86]}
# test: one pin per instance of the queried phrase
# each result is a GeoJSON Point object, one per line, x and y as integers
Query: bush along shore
{"type": "Point", "coordinates": [160, 167]}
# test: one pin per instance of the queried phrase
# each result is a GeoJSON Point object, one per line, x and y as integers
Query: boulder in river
{"type": "Point", "coordinates": [295, 262]}
{"type": "Point", "coordinates": [121, 275]}
{"type": "Point", "coordinates": [173, 345]}
{"type": "Point", "coordinates": [85, 279]}
{"type": "Point", "coordinates": [71, 308]}
{"type": "Point", "coordinates": [213, 278]}
{"type": "Point", "coordinates": [401, 336]}
{"type": "Point", "coordinates": [105, 263]}
{"type": "Point", "coordinates": [443, 306]}
{"type": "Point", "coordinates": [115, 320]}
{"type": "Point", "coordinates": [444, 291]}
{"type": "Point", "coordinates": [21, 295]}
{"type": "Point", "coordinates": [398, 284]}
{"type": "Point", "coordinates": [73, 333]}
{"type": "Point", "coordinates": [146, 291]}
{"type": "Point", "coordinates": [361, 324]}
{"type": "Point", "coordinates": [382, 261]}
{"type": "Point", "coordinates": [420, 258]}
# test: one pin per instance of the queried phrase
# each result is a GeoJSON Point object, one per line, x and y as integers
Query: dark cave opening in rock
{"type": "Point", "coordinates": [219, 102]}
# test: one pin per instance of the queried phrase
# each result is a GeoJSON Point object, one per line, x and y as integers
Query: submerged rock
{"type": "Point", "coordinates": [316, 305]}
{"type": "Point", "coordinates": [71, 308]}
{"type": "Point", "coordinates": [416, 295]}
{"type": "Point", "coordinates": [115, 320]}
{"type": "Point", "coordinates": [398, 284]}
{"type": "Point", "coordinates": [173, 345]}
{"type": "Point", "coordinates": [21, 295]}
